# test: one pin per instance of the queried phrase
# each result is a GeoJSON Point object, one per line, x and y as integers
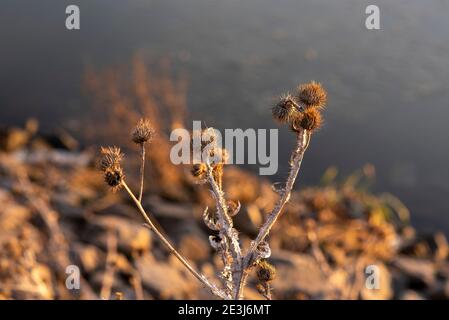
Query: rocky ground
{"type": "Point", "coordinates": [56, 212]}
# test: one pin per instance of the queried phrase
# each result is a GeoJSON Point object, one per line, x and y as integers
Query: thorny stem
{"type": "Point", "coordinates": [227, 225]}
{"type": "Point", "coordinates": [224, 218]}
{"type": "Point", "coordinates": [142, 169]}
{"type": "Point", "coordinates": [172, 250]}
{"type": "Point", "coordinates": [303, 140]}
{"type": "Point", "coordinates": [241, 281]}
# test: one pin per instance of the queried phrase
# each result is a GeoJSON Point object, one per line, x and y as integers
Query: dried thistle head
{"type": "Point", "coordinates": [110, 157]}
{"type": "Point", "coordinates": [199, 170]}
{"type": "Point", "coordinates": [110, 164]}
{"type": "Point", "coordinates": [114, 177]}
{"type": "Point", "coordinates": [265, 272]}
{"type": "Point", "coordinates": [285, 110]}
{"type": "Point", "coordinates": [210, 136]}
{"type": "Point", "coordinates": [143, 132]}
{"type": "Point", "coordinates": [312, 95]}
{"type": "Point", "coordinates": [202, 139]}
{"type": "Point", "coordinates": [218, 156]}
{"type": "Point", "coordinates": [310, 119]}
{"type": "Point", "coordinates": [217, 174]}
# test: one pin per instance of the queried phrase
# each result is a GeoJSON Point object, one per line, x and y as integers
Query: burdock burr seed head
{"type": "Point", "coordinates": [143, 132]}
{"type": "Point", "coordinates": [114, 177]}
{"type": "Point", "coordinates": [311, 95]}
{"type": "Point", "coordinates": [285, 110]}
{"type": "Point", "coordinates": [199, 170]}
{"type": "Point", "coordinates": [310, 120]}
{"type": "Point", "coordinates": [110, 157]}
{"type": "Point", "coordinates": [110, 164]}
{"type": "Point", "coordinates": [266, 271]}
{"type": "Point", "coordinates": [302, 112]}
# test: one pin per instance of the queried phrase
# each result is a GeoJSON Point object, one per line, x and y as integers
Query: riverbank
{"type": "Point", "coordinates": [56, 213]}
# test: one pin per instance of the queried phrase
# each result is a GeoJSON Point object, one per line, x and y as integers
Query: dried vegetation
{"type": "Point", "coordinates": [56, 211]}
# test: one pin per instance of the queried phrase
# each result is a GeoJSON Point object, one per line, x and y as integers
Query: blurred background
{"type": "Point", "coordinates": [387, 89]}
{"type": "Point", "coordinates": [388, 92]}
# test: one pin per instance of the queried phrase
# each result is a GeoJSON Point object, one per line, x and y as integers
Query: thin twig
{"type": "Point", "coordinates": [172, 250]}
{"type": "Point", "coordinates": [142, 169]}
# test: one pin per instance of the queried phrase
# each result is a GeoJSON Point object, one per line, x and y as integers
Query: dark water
{"type": "Point", "coordinates": [388, 89]}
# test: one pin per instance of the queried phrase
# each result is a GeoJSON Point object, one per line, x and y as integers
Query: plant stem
{"type": "Point", "coordinates": [142, 169]}
{"type": "Point", "coordinates": [227, 226]}
{"type": "Point", "coordinates": [301, 146]}
{"type": "Point", "coordinates": [302, 143]}
{"type": "Point", "coordinates": [172, 250]}
{"type": "Point", "coordinates": [241, 280]}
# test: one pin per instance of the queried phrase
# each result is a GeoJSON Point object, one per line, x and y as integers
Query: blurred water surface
{"type": "Point", "coordinates": [388, 89]}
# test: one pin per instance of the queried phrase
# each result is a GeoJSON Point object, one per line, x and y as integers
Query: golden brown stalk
{"type": "Point", "coordinates": [226, 223]}
{"type": "Point", "coordinates": [170, 247]}
{"type": "Point", "coordinates": [142, 170]}
{"type": "Point", "coordinates": [303, 140]}
{"type": "Point", "coordinates": [142, 133]}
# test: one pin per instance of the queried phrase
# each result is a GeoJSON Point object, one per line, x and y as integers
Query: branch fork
{"type": "Point", "coordinates": [303, 115]}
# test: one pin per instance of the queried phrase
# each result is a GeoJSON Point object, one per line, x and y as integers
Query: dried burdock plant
{"type": "Point", "coordinates": [111, 166]}
{"type": "Point", "coordinates": [265, 274]}
{"type": "Point", "coordinates": [302, 113]}
{"type": "Point", "coordinates": [312, 95]}
{"type": "Point", "coordinates": [141, 135]}
{"type": "Point", "coordinates": [286, 109]}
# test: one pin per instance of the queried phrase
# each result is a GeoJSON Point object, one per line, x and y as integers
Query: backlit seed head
{"type": "Point", "coordinates": [199, 170]}
{"type": "Point", "coordinates": [114, 177]}
{"type": "Point", "coordinates": [110, 164]}
{"type": "Point", "coordinates": [218, 156]}
{"type": "Point", "coordinates": [310, 120]}
{"type": "Point", "coordinates": [142, 132]}
{"type": "Point", "coordinates": [210, 136]}
{"type": "Point", "coordinates": [312, 95]}
{"type": "Point", "coordinates": [204, 138]}
{"type": "Point", "coordinates": [217, 172]}
{"type": "Point", "coordinates": [285, 110]}
{"type": "Point", "coordinates": [265, 272]}
{"type": "Point", "coordinates": [110, 157]}
{"type": "Point", "coordinates": [224, 155]}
